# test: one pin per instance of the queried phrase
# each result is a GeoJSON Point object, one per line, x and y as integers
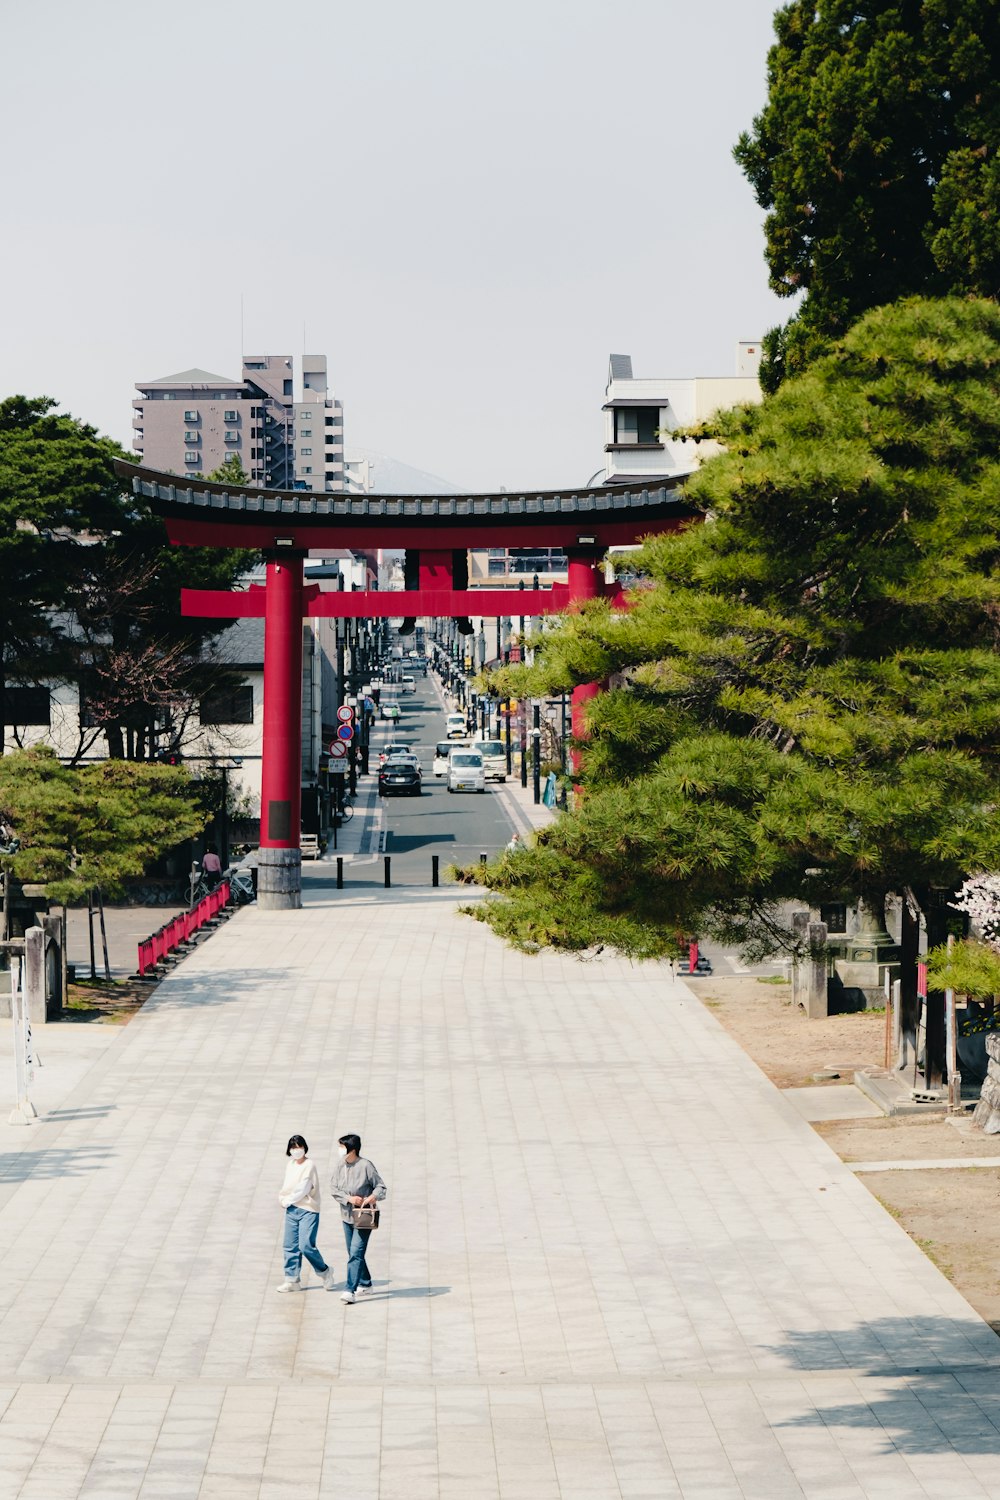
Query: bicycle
{"type": "Point", "coordinates": [345, 813]}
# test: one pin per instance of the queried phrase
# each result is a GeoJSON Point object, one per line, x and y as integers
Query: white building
{"type": "Point", "coordinates": [641, 414]}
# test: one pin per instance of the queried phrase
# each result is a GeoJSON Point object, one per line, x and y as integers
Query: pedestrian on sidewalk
{"type": "Point", "coordinates": [211, 866]}
{"type": "Point", "coordinates": [299, 1197]}
{"type": "Point", "coordinates": [356, 1185]}
{"type": "Point", "coordinates": [514, 844]}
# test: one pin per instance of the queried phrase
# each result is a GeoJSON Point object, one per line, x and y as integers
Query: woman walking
{"type": "Point", "coordinates": [356, 1185]}
{"type": "Point", "coordinates": [299, 1197]}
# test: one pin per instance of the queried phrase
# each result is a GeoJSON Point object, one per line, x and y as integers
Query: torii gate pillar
{"type": "Point", "coordinates": [585, 582]}
{"type": "Point", "coordinates": [279, 869]}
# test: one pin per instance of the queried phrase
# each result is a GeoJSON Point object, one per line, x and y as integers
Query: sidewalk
{"type": "Point", "coordinates": [614, 1263]}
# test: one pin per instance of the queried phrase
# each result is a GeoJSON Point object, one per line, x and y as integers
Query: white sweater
{"type": "Point", "coordinates": [300, 1188]}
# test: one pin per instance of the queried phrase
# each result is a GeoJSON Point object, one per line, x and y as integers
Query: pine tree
{"type": "Point", "coordinates": [807, 688]}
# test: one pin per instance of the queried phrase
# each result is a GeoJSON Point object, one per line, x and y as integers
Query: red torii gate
{"type": "Point", "coordinates": [286, 524]}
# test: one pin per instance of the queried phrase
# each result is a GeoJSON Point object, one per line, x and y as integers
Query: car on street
{"type": "Point", "coordinates": [394, 747]}
{"type": "Point", "coordinates": [400, 777]}
{"type": "Point", "coordinates": [494, 758]}
{"type": "Point", "coordinates": [442, 750]}
{"type": "Point", "coordinates": [390, 711]}
{"type": "Point", "coordinates": [455, 727]}
{"type": "Point", "coordinates": [466, 772]}
{"type": "Point", "coordinates": [409, 683]}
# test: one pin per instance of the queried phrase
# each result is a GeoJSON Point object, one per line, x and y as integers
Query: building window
{"type": "Point", "coordinates": [305, 432]}
{"type": "Point", "coordinates": [307, 469]}
{"type": "Point", "coordinates": [232, 436]}
{"type": "Point", "coordinates": [305, 453]}
{"type": "Point", "coordinates": [192, 437]}
{"type": "Point", "coordinates": [192, 458]}
{"type": "Point", "coordinates": [637, 424]}
{"type": "Point", "coordinates": [287, 388]}
{"type": "Point", "coordinates": [231, 416]}
{"type": "Point", "coordinates": [191, 416]}
{"type": "Point", "coordinates": [26, 705]}
{"type": "Point", "coordinates": [227, 706]}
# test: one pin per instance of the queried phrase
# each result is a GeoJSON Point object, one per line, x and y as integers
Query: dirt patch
{"type": "Point", "coordinates": [790, 1049]}
{"type": "Point", "coordinates": [111, 1001]}
{"type": "Point", "coordinates": [953, 1218]}
{"type": "Point", "coordinates": [951, 1214]}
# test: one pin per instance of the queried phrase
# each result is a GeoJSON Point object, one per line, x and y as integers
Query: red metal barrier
{"type": "Point", "coordinates": [180, 928]}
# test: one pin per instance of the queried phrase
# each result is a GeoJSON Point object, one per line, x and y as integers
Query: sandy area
{"type": "Point", "coordinates": [951, 1214]}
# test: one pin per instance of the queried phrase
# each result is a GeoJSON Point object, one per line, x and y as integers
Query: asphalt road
{"type": "Point", "coordinates": [458, 827]}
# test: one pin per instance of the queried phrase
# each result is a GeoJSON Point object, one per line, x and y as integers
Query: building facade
{"type": "Point", "coordinates": [288, 433]}
{"type": "Point", "coordinates": [640, 416]}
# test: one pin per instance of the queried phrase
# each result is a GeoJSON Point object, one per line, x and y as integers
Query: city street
{"type": "Point", "coordinates": [457, 827]}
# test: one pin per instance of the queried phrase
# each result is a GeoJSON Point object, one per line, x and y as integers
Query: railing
{"type": "Point", "coordinates": [181, 928]}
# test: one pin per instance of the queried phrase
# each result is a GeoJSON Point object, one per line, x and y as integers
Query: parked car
{"type": "Point", "coordinates": [466, 772]}
{"type": "Point", "coordinates": [399, 777]}
{"type": "Point", "coordinates": [494, 758]}
{"type": "Point", "coordinates": [455, 727]}
{"type": "Point", "coordinates": [394, 747]}
{"type": "Point", "coordinates": [309, 846]}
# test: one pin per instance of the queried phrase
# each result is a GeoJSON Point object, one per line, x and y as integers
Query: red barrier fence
{"type": "Point", "coordinates": [180, 928]}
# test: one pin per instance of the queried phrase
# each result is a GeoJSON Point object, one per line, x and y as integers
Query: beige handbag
{"type": "Point", "coordinates": [365, 1218]}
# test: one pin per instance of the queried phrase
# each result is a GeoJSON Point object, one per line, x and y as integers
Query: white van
{"type": "Point", "coordinates": [465, 771]}
{"type": "Point", "coordinates": [494, 758]}
{"type": "Point", "coordinates": [455, 727]}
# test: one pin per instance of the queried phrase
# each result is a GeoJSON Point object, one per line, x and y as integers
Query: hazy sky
{"type": "Point", "coordinates": [467, 206]}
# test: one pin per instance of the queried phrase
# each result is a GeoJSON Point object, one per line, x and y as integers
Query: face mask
{"type": "Point", "coordinates": [297, 1153]}
{"type": "Point", "coordinates": [341, 1150]}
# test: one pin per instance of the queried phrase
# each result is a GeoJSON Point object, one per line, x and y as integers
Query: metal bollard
{"type": "Point", "coordinates": [483, 857]}
{"type": "Point", "coordinates": [388, 881]}
{"type": "Point", "coordinates": [340, 872]}
{"type": "Point", "coordinates": [435, 869]}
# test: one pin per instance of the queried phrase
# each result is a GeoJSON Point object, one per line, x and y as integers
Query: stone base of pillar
{"type": "Point", "coordinates": [279, 879]}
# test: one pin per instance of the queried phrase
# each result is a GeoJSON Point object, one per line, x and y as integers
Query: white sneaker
{"type": "Point", "coordinates": [347, 1296]}
{"type": "Point", "coordinates": [290, 1286]}
{"type": "Point", "coordinates": [364, 1291]}
{"type": "Point", "coordinates": [328, 1278]}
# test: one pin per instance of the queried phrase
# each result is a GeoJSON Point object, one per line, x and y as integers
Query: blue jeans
{"type": "Point", "coordinates": [301, 1225]}
{"type": "Point", "coordinates": [358, 1273]}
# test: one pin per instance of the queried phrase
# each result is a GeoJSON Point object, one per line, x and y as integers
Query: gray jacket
{"type": "Point", "coordinates": [357, 1179]}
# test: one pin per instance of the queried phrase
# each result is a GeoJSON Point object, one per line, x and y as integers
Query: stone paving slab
{"type": "Point", "coordinates": [614, 1261]}
{"type": "Point", "coordinates": [832, 1101]}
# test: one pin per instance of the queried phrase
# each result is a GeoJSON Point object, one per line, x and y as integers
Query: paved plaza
{"type": "Point", "coordinates": [614, 1262]}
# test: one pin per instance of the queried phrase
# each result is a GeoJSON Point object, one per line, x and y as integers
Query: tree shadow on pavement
{"type": "Point", "coordinates": [945, 1391]}
{"type": "Point", "coordinates": [213, 986]}
{"type": "Point", "coordinates": [53, 1161]}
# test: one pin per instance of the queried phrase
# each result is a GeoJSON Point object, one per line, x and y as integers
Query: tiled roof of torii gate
{"type": "Point", "coordinates": [179, 496]}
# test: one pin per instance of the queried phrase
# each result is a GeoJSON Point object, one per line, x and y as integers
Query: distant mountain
{"type": "Point", "coordinates": [390, 477]}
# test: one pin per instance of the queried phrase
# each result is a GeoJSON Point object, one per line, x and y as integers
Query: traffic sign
{"type": "Point", "coordinates": [338, 749]}
{"type": "Point", "coordinates": [345, 732]}
{"type": "Point", "coordinates": [345, 714]}
{"type": "Point", "coordinates": [338, 767]}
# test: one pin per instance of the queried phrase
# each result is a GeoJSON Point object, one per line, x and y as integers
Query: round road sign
{"type": "Point", "coordinates": [338, 749]}
{"type": "Point", "coordinates": [345, 732]}
{"type": "Point", "coordinates": [345, 714]}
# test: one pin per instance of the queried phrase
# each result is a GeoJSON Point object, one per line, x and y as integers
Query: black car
{"type": "Point", "coordinates": [399, 778]}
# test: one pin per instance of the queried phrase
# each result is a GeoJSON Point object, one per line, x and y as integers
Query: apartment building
{"type": "Point", "coordinates": [288, 433]}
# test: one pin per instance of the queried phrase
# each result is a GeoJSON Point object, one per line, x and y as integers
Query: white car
{"type": "Point", "coordinates": [455, 727]}
{"type": "Point", "coordinates": [494, 758]}
{"type": "Point", "coordinates": [408, 684]}
{"type": "Point", "coordinates": [466, 772]}
{"type": "Point", "coordinates": [394, 747]}
{"type": "Point", "coordinates": [442, 750]}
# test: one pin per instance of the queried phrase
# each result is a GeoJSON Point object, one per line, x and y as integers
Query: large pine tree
{"type": "Point", "coordinates": [808, 687]}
